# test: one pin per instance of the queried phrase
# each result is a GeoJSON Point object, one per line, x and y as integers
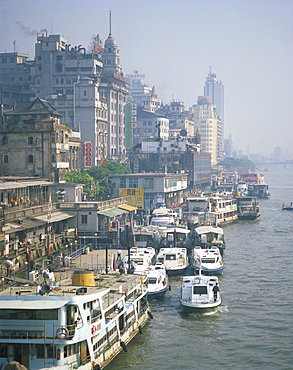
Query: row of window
{"type": "Point", "coordinates": [30, 158]}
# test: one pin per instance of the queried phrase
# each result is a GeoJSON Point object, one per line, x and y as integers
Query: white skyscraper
{"type": "Point", "coordinates": [215, 89]}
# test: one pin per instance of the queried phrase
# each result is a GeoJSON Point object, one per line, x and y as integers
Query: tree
{"type": "Point", "coordinates": [102, 173]}
{"type": "Point", "coordinates": [230, 163]}
{"type": "Point", "coordinates": [83, 177]}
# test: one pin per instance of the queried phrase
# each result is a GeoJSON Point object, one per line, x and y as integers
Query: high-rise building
{"type": "Point", "coordinates": [207, 123]}
{"type": "Point", "coordinates": [142, 94]}
{"type": "Point", "coordinates": [215, 89]}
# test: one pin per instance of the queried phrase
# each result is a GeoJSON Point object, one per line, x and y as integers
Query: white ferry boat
{"type": "Point", "coordinates": [79, 324]}
{"type": "Point", "coordinates": [174, 259]}
{"type": "Point", "coordinates": [200, 292]}
{"type": "Point", "coordinates": [224, 207]}
{"type": "Point", "coordinates": [209, 261]}
{"type": "Point", "coordinates": [140, 259]}
{"type": "Point", "coordinates": [163, 217]}
{"type": "Point", "coordinates": [158, 282]}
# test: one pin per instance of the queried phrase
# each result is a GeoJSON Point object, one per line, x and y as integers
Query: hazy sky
{"type": "Point", "coordinates": [174, 42]}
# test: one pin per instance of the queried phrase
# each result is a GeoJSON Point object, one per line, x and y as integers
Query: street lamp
{"type": "Point", "coordinates": [26, 270]}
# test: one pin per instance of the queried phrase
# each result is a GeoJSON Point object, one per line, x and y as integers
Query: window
{"type": "Point", "coordinates": [133, 183]}
{"type": "Point", "coordinates": [5, 158]}
{"type": "Point", "coordinates": [149, 182]}
{"type": "Point", "coordinates": [123, 183]}
{"type": "Point", "coordinates": [84, 219]}
{"type": "Point", "coordinates": [30, 140]}
{"type": "Point", "coordinates": [5, 140]}
{"type": "Point", "coordinates": [84, 93]}
{"type": "Point", "coordinates": [30, 158]}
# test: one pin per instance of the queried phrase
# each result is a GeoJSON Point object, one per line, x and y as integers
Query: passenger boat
{"type": "Point", "coordinates": [79, 323]}
{"type": "Point", "coordinates": [209, 261]}
{"type": "Point", "coordinates": [146, 236]}
{"type": "Point", "coordinates": [224, 207]}
{"type": "Point", "coordinates": [140, 259]}
{"type": "Point", "coordinates": [207, 235]}
{"type": "Point", "coordinates": [198, 293]}
{"type": "Point", "coordinates": [248, 207]}
{"type": "Point", "coordinates": [174, 237]}
{"type": "Point", "coordinates": [157, 281]}
{"type": "Point", "coordinates": [174, 259]}
{"type": "Point", "coordinates": [287, 208]}
{"type": "Point", "coordinates": [163, 217]}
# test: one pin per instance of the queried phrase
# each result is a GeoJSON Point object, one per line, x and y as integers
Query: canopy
{"type": "Point", "coordinates": [127, 207]}
{"type": "Point", "coordinates": [112, 212]}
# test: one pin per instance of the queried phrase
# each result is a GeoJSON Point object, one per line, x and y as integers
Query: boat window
{"type": "Point", "coordinates": [170, 257]}
{"type": "Point", "coordinates": [208, 260]}
{"type": "Point", "coordinates": [200, 289]}
{"type": "Point", "coordinates": [18, 314]}
{"type": "Point", "coordinates": [152, 280]}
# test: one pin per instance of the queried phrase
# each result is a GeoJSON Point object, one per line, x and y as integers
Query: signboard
{"type": "Point", "coordinates": [87, 147]}
{"type": "Point", "coordinates": [134, 196]}
{"type": "Point", "coordinates": [128, 126]}
{"type": "Point", "coordinates": [160, 198]}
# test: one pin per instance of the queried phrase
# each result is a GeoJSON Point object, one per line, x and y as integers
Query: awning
{"type": "Point", "coordinates": [112, 212]}
{"type": "Point", "coordinates": [127, 207]}
{"type": "Point", "coordinates": [55, 216]}
{"type": "Point", "coordinates": [30, 305]}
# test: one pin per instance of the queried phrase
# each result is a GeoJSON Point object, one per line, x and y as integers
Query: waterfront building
{"type": "Point", "coordinates": [180, 121]}
{"type": "Point", "coordinates": [208, 124]}
{"type": "Point", "coordinates": [35, 144]}
{"type": "Point", "coordinates": [142, 94]}
{"type": "Point", "coordinates": [179, 156]}
{"type": "Point", "coordinates": [91, 116]}
{"type": "Point", "coordinates": [145, 190]}
{"type": "Point", "coordinates": [16, 79]}
{"type": "Point", "coordinates": [150, 125]}
{"type": "Point", "coordinates": [114, 88]}
{"type": "Point", "coordinates": [215, 89]}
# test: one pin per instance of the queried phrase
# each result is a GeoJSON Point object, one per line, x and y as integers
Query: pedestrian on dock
{"type": "Point", "coordinates": [119, 255]}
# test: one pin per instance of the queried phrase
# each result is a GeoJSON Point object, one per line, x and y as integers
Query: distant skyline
{"type": "Point", "coordinates": [248, 44]}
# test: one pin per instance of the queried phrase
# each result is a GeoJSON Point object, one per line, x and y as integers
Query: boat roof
{"type": "Point", "coordinates": [29, 305]}
{"type": "Point", "coordinates": [209, 229]}
{"type": "Point", "coordinates": [177, 230]}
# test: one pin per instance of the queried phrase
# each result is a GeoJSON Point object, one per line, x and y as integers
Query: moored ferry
{"type": "Point", "coordinates": [81, 323]}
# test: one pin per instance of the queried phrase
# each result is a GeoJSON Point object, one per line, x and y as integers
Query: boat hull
{"type": "Point", "coordinates": [208, 272]}
{"type": "Point", "coordinates": [159, 294]}
{"type": "Point", "coordinates": [176, 271]}
{"type": "Point", "coordinates": [196, 307]}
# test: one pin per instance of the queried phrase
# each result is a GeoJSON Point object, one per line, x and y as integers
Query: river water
{"type": "Point", "coordinates": [253, 328]}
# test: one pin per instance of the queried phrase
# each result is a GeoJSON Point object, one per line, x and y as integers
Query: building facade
{"type": "Point", "coordinates": [208, 124]}
{"type": "Point", "coordinates": [35, 144]}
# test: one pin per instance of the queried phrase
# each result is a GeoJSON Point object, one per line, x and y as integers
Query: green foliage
{"type": "Point", "coordinates": [230, 163]}
{"type": "Point", "coordinates": [101, 175]}
{"type": "Point", "coordinates": [83, 177]}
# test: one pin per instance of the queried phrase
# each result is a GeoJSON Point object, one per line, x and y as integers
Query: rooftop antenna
{"type": "Point", "coordinates": [211, 68]}
{"type": "Point", "coordinates": [110, 23]}
{"type": "Point", "coordinates": [14, 43]}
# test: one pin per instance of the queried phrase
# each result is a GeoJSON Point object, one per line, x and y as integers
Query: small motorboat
{"type": "Point", "coordinates": [200, 292]}
{"type": "Point", "coordinates": [174, 259]}
{"type": "Point", "coordinates": [157, 281]}
{"type": "Point", "coordinates": [209, 261]}
{"type": "Point", "coordinates": [287, 208]}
